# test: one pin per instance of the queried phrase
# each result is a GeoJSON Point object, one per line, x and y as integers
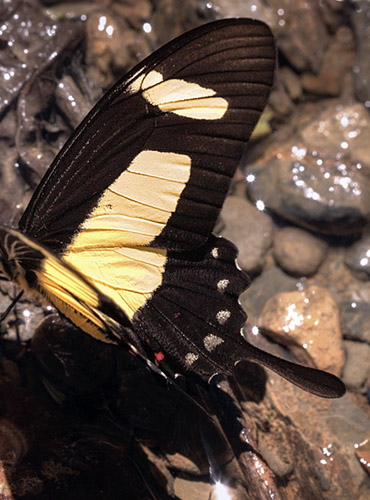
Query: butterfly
{"type": "Point", "coordinates": [118, 234]}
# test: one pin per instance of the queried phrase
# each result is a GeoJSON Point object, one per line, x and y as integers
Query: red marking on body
{"type": "Point", "coordinates": [177, 315]}
{"type": "Point", "coordinates": [159, 356]}
{"type": "Point", "coordinates": [147, 341]}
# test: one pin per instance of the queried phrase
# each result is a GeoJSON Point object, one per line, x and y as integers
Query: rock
{"type": "Point", "coordinates": [10, 206]}
{"type": "Point", "coordinates": [249, 229]}
{"type": "Point", "coordinates": [71, 101]}
{"type": "Point", "coordinates": [301, 33]}
{"type": "Point", "coordinates": [363, 454]}
{"type": "Point", "coordinates": [280, 463]}
{"type": "Point", "coordinates": [360, 21]}
{"type": "Point", "coordinates": [337, 61]}
{"type": "Point", "coordinates": [344, 126]}
{"type": "Point", "coordinates": [358, 257]}
{"type": "Point", "coordinates": [137, 12]}
{"type": "Point", "coordinates": [38, 39]}
{"type": "Point", "coordinates": [264, 287]}
{"type": "Point", "coordinates": [185, 488]}
{"type": "Point", "coordinates": [319, 179]}
{"type": "Point", "coordinates": [280, 101]}
{"type": "Point", "coordinates": [355, 320]}
{"type": "Point", "coordinates": [291, 82]}
{"type": "Point", "coordinates": [331, 427]}
{"type": "Point", "coordinates": [298, 252]}
{"type": "Point", "coordinates": [326, 83]}
{"type": "Point", "coordinates": [357, 368]}
{"type": "Point", "coordinates": [106, 48]}
{"type": "Point", "coordinates": [256, 9]}
{"type": "Point", "coordinates": [308, 323]}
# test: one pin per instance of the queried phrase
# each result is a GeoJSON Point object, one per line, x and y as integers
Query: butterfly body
{"type": "Point", "coordinates": [118, 235]}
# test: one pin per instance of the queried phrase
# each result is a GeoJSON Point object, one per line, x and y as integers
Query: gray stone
{"type": "Point", "coordinates": [358, 257]}
{"type": "Point", "coordinates": [263, 287]}
{"type": "Point", "coordinates": [249, 229]}
{"type": "Point", "coordinates": [321, 178]}
{"type": "Point", "coordinates": [357, 368]}
{"type": "Point", "coordinates": [355, 320]}
{"type": "Point", "coordinates": [360, 20]}
{"type": "Point", "coordinates": [298, 252]}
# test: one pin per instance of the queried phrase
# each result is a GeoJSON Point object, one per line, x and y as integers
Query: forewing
{"type": "Point", "coordinates": [156, 154]}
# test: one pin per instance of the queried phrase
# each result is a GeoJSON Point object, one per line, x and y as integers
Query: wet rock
{"type": "Point", "coordinates": [249, 229]}
{"type": "Point", "coordinates": [264, 287]}
{"type": "Point", "coordinates": [256, 9]}
{"type": "Point", "coordinates": [308, 323]}
{"type": "Point", "coordinates": [136, 12]}
{"type": "Point", "coordinates": [363, 454]}
{"type": "Point", "coordinates": [340, 131]}
{"type": "Point", "coordinates": [315, 180]}
{"type": "Point", "coordinates": [8, 125]}
{"type": "Point", "coordinates": [23, 319]}
{"type": "Point", "coordinates": [28, 40]}
{"type": "Point", "coordinates": [277, 458]}
{"type": "Point", "coordinates": [358, 257]}
{"type": "Point", "coordinates": [360, 20]}
{"type": "Point", "coordinates": [301, 33]}
{"type": "Point", "coordinates": [71, 101]}
{"type": "Point", "coordinates": [332, 428]}
{"type": "Point", "coordinates": [357, 367]}
{"type": "Point", "coordinates": [337, 61]}
{"type": "Point", "coordinates": [280, 101]}
{"type": "Point", "coordinates": [32, 44]}
{"type": "Point", "coordinates": [106, 48]}
{"type": "Point", "coordinates": [10, 208]}
{"type": "Point", "coordinates": [171, 18]}
{"type": "Point", "coordinates": [326, 83]}
{"type": "Point", "coordinates": [185, 488]}
{"type": "Point", "coordinates": [355, 319]}
{"type": "Point", "coordinates": [291, 82]}
{"type": "Point", "coordinates": [298, 252]}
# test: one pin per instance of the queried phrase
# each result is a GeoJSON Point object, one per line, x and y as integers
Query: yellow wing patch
{"type": "Point", "coordinates": [128, 276]}
{"type": "Point", "coordinates": [136, 207]}
{"type": "Point", "coordinates": [111, 250]}
{"type": "Point", "coordinates": [62, 287]}
{"type": "Point", "coordinates": [180, 97]}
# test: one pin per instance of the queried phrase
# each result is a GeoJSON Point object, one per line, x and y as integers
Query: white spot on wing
{"type": "Point", "coordinates": [214, 253]}
{"type": "Point", "coordinates": [190, 358]}
{"type": "Point", "coordinates": [212, 341]}
{"type": "Point", "coordinates": [223, 316]}
{"type": "Point", "coordinates": [222, 285]}
{"type": "Point", "coordinates": [180, 97]}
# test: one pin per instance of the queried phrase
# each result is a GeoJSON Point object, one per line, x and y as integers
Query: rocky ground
{"type": "Point", "coordinates": [80, 420]}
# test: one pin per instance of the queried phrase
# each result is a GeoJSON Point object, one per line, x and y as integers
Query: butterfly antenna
{"type": "Point", "coordinates": [10, 307]}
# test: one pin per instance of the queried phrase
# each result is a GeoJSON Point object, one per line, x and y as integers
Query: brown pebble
{"type": "Point", "coordinates": [308, 323]}
{"type": "Point", "coordinates": [298, 252]}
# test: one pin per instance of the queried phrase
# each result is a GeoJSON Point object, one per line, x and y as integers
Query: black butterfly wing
{"type": "Point", "coordinates": [148, 170]}
{"type": "Point", "coordinates": [193, 103]}
{"type": "Point", "coordinates": [192, 323]}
